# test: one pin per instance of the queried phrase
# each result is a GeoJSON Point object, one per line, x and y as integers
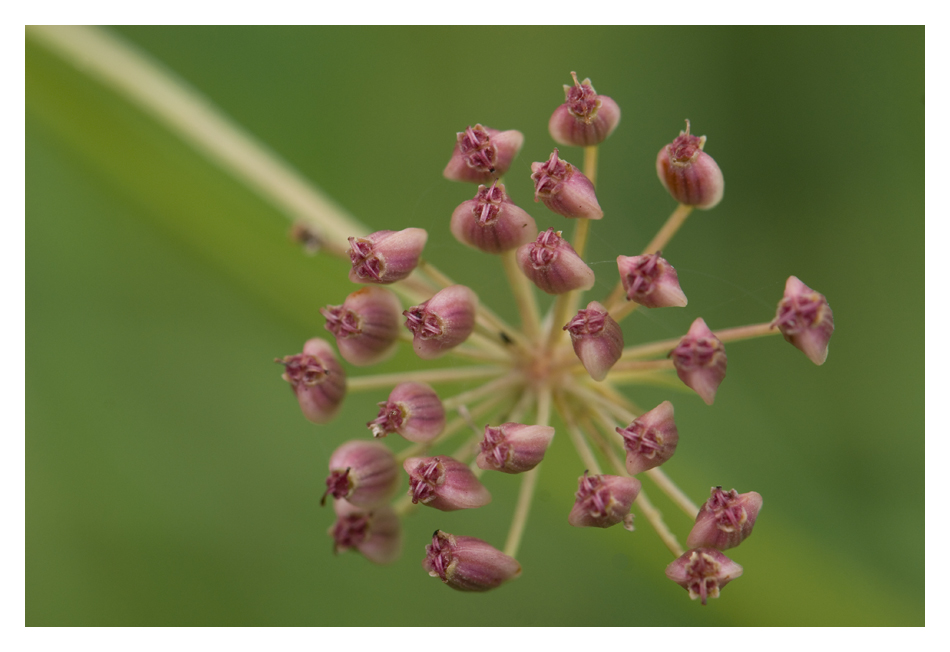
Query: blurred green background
{"type": "Point", "coordinates": [171, 479]}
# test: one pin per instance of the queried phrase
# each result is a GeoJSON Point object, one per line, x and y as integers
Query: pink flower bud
{"type": "Point", "coordinates": [443, 322]}
{"type": "Point", "coordinates": [564, 189]}
{"type": "Point", "coordinates": [597, 339]}
{"type": "Point", "coordinates": [482, 154]}
{"type": "Point", "coordinates": [467, 563]}
{"type": "Point", "coordinates": [491, 222]}
{"type": "Point", "coordinates": [552, 264]}
{"type": "Point", "coordinates": [413, 411]}
{"type": "Point", "coordinates": [604, 500]}
{"type": "Point", "coordinates": [650, 281]}
{"type": "Point", "coordinates": [317, 379]}
{"type": "Point", "coordinates": [725, 520]}
{"type": "Point", "coordinates": [375, 533]}
{"type": "Point", "coordinates": [513, 447]}
{"type": "Point", "coordinates": [363, 472]}
{"type": "Point", "coordinates": [386, 256]}
{"type": "Point", "coordinates": [700, 361]}
{"type": "Point", "coordinates": [688, 173]}
{"type": "Point", "coordinates": [650, 439]}
{"type": "Point", "coordinates": [585, 118]}
{"type": "Point", "coordinates": [366, 326]}
{"type": "Point", "coordinates": [805, 319]}
{"type": "Point", "coordinates": [444, 483]}
{"type": "Point", "coordinates": [703, 572]}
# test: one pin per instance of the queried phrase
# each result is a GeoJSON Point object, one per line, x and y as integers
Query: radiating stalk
{"type": "Point", "coordinates": [528, 483]}
{"type": "Point", "coordinates": [361, 383]}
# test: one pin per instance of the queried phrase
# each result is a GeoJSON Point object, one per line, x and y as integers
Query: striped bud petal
{"type": "Point", "coordinates": [650, 281]}
{"type": "Point", "coordinates": [551, 263]}
{"type": "Point", "coordinates": [564, 189]}
{"type": "Point", "coordinates": [413, 410]}
{"type": "Point", "coordinates": [597, 339]}
{"type": "Point", "coordinates": [513, 447]}
{"type": "Point", "coordinates": [650, 439]}
{"type": "Point", "coordinates": [585, 118]}
{"type": "Point", "coordinates": [444, 483]}
{"type": "Point", "coordinates": [688, 173]}
{"type": "Point", "coordinates": [443, 322]}
{"type": "Point", "coordinates": [703, 572]}
{"type": "Point", "coordinates": [491, 222]}
{"type": "Point", "coordinates": [725, 520]}
{"type": "Point", "coordinates": [317, 380]}
{"type": "Point", "coordinates": [805, 319]}
{"type": "Point", "coordinates": [374, 533]}
{"type": "Point", "coordinates": [366, 326]}
{"type": "Point", "coordinates": [603, 501]}
{"type": "Point", "coordinates": [365, 473]}
{"type": "Point", "coordinates": [467, 563]}
{"type": "Point", "coordinates": [482, 154]}
{"type": "Point", "coordinates": [386, 256]}
{"type": "Point", "coordinates": [700, 361]}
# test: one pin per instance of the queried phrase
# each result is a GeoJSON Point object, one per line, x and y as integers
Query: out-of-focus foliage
{"type": "Point", "coordinates": [170, 476]}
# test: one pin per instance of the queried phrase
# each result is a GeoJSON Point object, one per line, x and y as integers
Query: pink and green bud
{"type": "Point", "coordinates": [364, 473]}
{"type": "Point", "coordinates": [650, 281]}
{"type": "Point", "coordinates": [700, 361]}
{"type": "Point", "coordinates": [585, 118]}
{"type": "Point", "coordinates": [513, 447]}
{"type": "Point", "coordinates": [374, 533]}
{"type": "Point", "coordinates": [467, 563]}
{"type": "Point", "coordinates": [366, 326]}
{"type": "Point", "coordinates": [650, 439]}
{"type": "Point", "coordinates": [805, 319]}
{"type": "Point", "coordinates": [551, 263]}
{"type": "Point", "coordinates": [482, 154]}
{"type": "Point", "coordinates": [597, 339]}
{"type": "Point", "coordinates": [725, 520]}
{"type": "Point", "coordinates": [491, 222]}
{"type": "Point", "coordinates": [443, 322]}
{"type": "Point", "coordinates": [444, 483]}
{"type": "Point", "coordinates": [603, 501]}
{"type": "Point", "coordinates": [688, 173]}
{"type": "Point", "coordinates": [317, 379]}
{"type": "Point", "coordinates": [413, 411]}
{"type": "Point", "coordinates": [703, 572]}
{"type": "Point", "coordinates": [386, 256]}
{"type": "Point", "coordinates": [564, 189]}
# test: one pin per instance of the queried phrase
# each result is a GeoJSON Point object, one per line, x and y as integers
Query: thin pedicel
{"type": "Point", "coordinates": [562, 370]}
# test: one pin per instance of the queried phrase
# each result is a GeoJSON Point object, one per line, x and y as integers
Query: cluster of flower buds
{"type": "Point", "coordinates": [364, 475]}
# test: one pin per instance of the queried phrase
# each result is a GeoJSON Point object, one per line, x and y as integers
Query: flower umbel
{"type": "Point", "coordinates": [559, 372]}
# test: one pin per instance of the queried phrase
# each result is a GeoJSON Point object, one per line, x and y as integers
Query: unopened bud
{"type": "Point", "coordinates": [604, 500]}
{"type": "Point", "coordinates": [650, 439]}
{"type": "Point", "coordinates": [317, 380]}
{"type": "Point", "coordinates": [482, 154]}
{"type": "Point", "coordinates": [443, 322]}
{"type": "Point", "coordinates": [374, 533]}
{"type": "Point", "coordinates": [688, 173]}
{"type": "Point", "coordinates": [650, 281]}
{"type": "Point", "coordinates": [444, 483]}
{"type": "Point", "coordinates": [597, 339]}
{"type": "Point", "coordinates": [703, 572]}
{"type": "Point", "coordinates": [564, 189]}
{"type": "Point", "coordinates": [551, 263]}
{"type": "Point", "coordinates": [725, 520]}
{"type": "Point", "coordinates": [365, 473]}
{"type": "Point", "coordinates": [413, 411]}
{"type": "Point", "coordinates": [467, 563]}
{"type": "Point", "coordinates": [585, 118]}
{"type": "Point", "coordinates": [366, 326]}
{"type": "Point", "coordinates": [513, 447]}
{"type": "Point", "coordinates": [805, 319]}
{"type": "Point", "coordinates": [386, 256]}
{"type": "Point", "coordinates": [700, 361]}
{"type": "Point", "coordinates": [491, 222]}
